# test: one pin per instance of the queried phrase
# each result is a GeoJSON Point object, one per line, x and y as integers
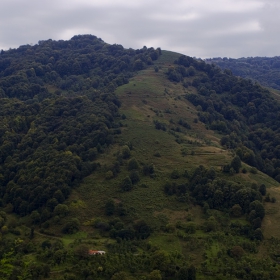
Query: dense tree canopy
{"type": "Point", "coordinates": [57, 113]}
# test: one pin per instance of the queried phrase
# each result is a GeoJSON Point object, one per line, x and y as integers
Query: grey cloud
{"type": "Point", "coordinates": [208, 32]}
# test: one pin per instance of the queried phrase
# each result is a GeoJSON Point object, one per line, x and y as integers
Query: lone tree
{"type": "Point", "coordinates": [134, 177]}
{"type": "Point", "coordinates": [236, 164]}
{"type": "Point", "coordinates": [126, 184]}
{"type": "Point", "coordinates": [262, 189]}
{"type": "Point", "coordinates": [258, 207]}
{"type": "Point", "coordinates": [133, 164]}
{"type": "Point", "coordinates": [126, 152]}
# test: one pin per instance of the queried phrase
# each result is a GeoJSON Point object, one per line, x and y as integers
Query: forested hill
{"type": "Point", "coordinates": [244, 112]}
{"type": "Point", "coordinates": [149, 156]}
{"type": "Point", "coordinates": [57, 113]}
{"type": "Point", "coordinates": [264, 70]}
{"type": "Point", "coordinates": [78, 65]}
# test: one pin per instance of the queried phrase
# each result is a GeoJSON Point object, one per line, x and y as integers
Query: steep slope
{"type": "Point", "coordinates": [147, 100]}
{"type": "Point", "coordinates": [235, 106]}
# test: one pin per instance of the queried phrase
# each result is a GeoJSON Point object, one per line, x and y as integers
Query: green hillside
{"type": "Point", "coordinates": [145, 165]}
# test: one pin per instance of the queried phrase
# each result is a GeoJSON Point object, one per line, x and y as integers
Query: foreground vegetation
{"type": "Point", "coordinates": [138, 165]}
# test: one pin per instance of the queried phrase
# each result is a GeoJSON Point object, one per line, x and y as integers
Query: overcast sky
{"type": "Point", "coordinates": [200, 28]}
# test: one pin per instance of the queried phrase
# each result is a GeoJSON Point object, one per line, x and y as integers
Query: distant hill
{"type": "Point", "coordinates": [264, 70]}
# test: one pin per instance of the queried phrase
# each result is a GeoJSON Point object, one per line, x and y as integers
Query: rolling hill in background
{"type": "Point", "coordinates": [168, 164]}
{"type": "Point", "coordinates": [264, 70]}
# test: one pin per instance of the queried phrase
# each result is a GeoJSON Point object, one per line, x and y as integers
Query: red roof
{"type": "Point", "coordinates": [92, 252]}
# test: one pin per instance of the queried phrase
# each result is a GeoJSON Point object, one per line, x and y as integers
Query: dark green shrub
{"type": "Point", "coordinates": [133, 164]}
{"type": "Point", "coordinates": [134, 177]}
{"type": "Point", "coordinates": [126, 184]}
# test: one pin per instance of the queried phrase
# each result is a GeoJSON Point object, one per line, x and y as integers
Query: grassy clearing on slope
{"type": "Point", "coordinates": [271, 225]}
{"type": "Point", "coordinates": [167, 58]}
{"type": "Point", "coordinates": [167, 242]}
{"type": "Point", "coordinates": [150, 97]}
